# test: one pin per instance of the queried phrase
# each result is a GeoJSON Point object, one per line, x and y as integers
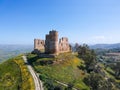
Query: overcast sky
{"type": "Point", "coordinates": [82, 21]}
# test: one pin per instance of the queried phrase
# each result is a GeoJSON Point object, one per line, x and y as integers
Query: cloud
{"type": "Point", "coordinates": [98, 38]}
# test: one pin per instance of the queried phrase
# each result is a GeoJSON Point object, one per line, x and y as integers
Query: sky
{"type": "Point", "coordinates": [82, 21]}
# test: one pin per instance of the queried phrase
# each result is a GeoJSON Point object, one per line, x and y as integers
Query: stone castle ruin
{"type": "Point", "coordinates": [51, 44]}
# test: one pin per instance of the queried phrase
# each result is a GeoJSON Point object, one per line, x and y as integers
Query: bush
{"type": "Point", "coordinates": [58, 88]}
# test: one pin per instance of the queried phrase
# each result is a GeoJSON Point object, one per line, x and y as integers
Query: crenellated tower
{"type": "Point", "coordinates": [51, 43]}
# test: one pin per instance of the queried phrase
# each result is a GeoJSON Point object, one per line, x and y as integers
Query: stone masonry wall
{"type": "Point", "coordinates": [39, 44]}
{"type": "Point", "coordinates": [51, 44]}
{"type": "Point", "coordinates": [64, 45]}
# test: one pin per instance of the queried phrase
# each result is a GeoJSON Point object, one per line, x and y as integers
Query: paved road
{"type": "Point", "coordinates": [38, 83]}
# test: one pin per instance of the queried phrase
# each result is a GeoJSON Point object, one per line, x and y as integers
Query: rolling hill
{"type": "Point", "coordinates": [8, 51]}
{"type": "Point", "coordinates": [105, 46]}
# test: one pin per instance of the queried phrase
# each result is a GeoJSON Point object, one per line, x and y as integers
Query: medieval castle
{"type": "Point", "coordinates": [51, 44]}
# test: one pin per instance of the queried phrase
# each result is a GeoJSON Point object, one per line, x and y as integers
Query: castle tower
{"type": "Point", "coordinates": [51, 43]}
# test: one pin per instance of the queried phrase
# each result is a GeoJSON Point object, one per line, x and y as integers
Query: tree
{"type": "Point", "coordinates": [87, 55]}
{"type": "Point", "coordinates": [116, 68]}
{"type": "Point", "coordinates": [70, 86]}
{"type": "Point", "coordinates": [97, 82]}
{"type": "Point", "coordinates": [76, 47]}
{"type": "Point", "coordinates": [49, 84]}
{"type": "Point", "coordinates": [58, 88]}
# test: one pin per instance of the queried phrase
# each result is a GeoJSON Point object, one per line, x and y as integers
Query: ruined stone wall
{"type": "Point", "coordinates": [39, 44]}
{"type": "Point", "coordinates": [64, 45]}
{"type": "Point", "coordinates": [51, 43]}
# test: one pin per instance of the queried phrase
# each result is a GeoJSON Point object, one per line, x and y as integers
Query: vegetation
{"type": "Point", "coordinates": [65, 69]}
{"type": "Point", "coordinates": [81, 70]}
{"type": "Point", "coordinates": [110, 60]}
{"type": "Point", "coordinates": [98, 77]}
{"type": "Point", "coordinates": [10, 76]}
{"type": "Point", "coordinates": [14, 75]}
{"type": "Point", "coordinates": [88, 55]}
{"type": "Point", "coordinates": [97, 82]}
{"type": "Point", "coordinates": [27, 80]}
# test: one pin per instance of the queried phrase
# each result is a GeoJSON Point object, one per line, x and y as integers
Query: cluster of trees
{"type": "Point", "coordinates": [88, 55]}
{"type": "Point", "coordinates": [95, 80]}
{"type": "Point", "coordinates": [116, 69]}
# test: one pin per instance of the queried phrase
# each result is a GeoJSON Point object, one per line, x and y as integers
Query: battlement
{"type": "Point", "coordinates": [53, 32]}
{"type": "Point", "coordinates": [63, 39]}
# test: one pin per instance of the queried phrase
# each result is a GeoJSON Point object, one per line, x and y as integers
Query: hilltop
{"type": "Point", "coordinates": [63, 68]}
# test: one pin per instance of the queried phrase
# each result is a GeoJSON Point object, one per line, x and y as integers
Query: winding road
{"type": "Point", "coordinates": [37, 81]}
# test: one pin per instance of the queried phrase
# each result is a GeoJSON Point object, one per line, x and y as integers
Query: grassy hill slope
{"type": "Point", "coordinates": [63, 68]}
{"type": "Point", "coordinates": [10, 76]}
{"type": "Point", "coordinates": [14, 75]}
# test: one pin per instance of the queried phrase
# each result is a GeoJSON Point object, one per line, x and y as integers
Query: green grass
{"type": "Point", "coordinates": [10, 76]}
{"type": "Point", "coordinates": [14, 74]}
{"type": "Point", "coordinates": [27, 80]}
{"type": "Point", "coordinates": [110, 73]}
{"type": "Point", "coordinates": [65, 71]}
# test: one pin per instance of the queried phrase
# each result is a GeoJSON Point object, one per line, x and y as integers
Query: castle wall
{"type": "Point", "coordinates": [64, 45]}
{"type": "Point", "coordinates": [39, 44]}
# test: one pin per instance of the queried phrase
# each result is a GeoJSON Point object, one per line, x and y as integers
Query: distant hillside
{"type": "Point", "coordinates": [105, 46]}
{"type": "Point", "coordinates": [8, 51]}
